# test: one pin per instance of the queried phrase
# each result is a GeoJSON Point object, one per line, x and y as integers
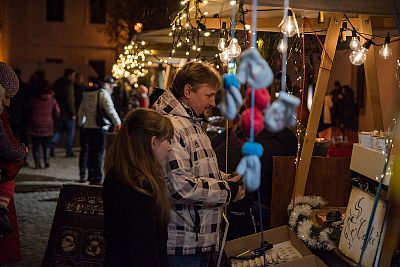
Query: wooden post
{"type": "Point", "coordinates": [371, 76]}
{"type": "Point", "coordinates": [391, 240]}
{"type": "Point", "coordinates": [320, 89]}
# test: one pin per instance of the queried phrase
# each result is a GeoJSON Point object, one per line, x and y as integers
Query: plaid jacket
{"type": "Point", "coordinates": [197, 188]}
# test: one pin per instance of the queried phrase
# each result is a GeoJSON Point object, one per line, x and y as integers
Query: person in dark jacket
{"type": "Point", "coordinates": [42, 110]}
{"type": "Point", "coordinates": [64, 94]}
{"type": "Point", "coordinates": [283, 143]}
{"type": "Point", "coordinates": [136, 206]}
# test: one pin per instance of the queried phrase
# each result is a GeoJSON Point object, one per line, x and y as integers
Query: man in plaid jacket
{"type": "Point", "coordinates": [198, 190]}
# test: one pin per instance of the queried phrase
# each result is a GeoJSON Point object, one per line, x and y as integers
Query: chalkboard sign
{"type": "Point", "coordinates": [76, 237]}
{"type": "Point", "coordinates": [355, 227]}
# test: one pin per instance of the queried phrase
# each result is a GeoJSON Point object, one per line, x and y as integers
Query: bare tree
{"type": "Point", "coordinates": [122, 15]}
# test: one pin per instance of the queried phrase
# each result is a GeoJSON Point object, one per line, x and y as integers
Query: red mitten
{"type": "Point", "coordinates": [245, 121]}
{"type": "Point", "coordinates": [261, 98]}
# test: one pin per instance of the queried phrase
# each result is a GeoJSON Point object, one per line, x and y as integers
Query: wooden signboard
{"type": "Point", "coordinates": [76, 237]}
{"type": "Point", "coordinates": [355, 227]}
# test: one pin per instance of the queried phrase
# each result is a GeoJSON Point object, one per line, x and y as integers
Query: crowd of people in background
{"type": "Point", "coordinates": [153, 150]}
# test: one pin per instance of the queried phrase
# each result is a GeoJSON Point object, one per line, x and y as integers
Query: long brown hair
{"type": "Point", "coordinates": [132, 157]}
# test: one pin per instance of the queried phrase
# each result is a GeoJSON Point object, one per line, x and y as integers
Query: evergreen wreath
{"type": "Point", "coordinates": [312, 234]}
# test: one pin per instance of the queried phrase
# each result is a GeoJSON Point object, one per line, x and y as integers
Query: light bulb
{"type": "Point", "coordinates": [359, 56]}
{"type": "Point", "coordinates": [224, 56]}
{"type": "Point", "coordinates": [234, 49]}
{"type": "Point", "coordinates": [289, 25]}
{"type": "Point", "coordinates": [206, 34]}
{"type": "Point", "coordinates": [232, 2]}
{"type": "Point", "coordinates": [354, 43]}
{"type": "Point", "coordinates": [385, 52]}
{"type": "Point", "coordinates": [187, 53]}
{"type": "Point", "coordinates": [282, 46]}
{"type": "Point", "coordinates": [221, 44]}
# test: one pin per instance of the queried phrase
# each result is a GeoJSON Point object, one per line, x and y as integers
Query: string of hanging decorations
{"type": "Point", "coordinates": [186, 29]}
{"type": "Point", "coordinates": [359, 54]}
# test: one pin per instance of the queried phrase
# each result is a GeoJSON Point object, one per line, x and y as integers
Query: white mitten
{"type": "Point", "coordinates": [250, 168]}
{"type": "Point", "coordinates": [281, 113]}
{"type": "Point", "coordinates": [253, 70]}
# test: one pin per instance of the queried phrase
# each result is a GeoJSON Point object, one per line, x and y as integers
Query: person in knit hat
{"type": "Point", "coordinates": [12, 153]}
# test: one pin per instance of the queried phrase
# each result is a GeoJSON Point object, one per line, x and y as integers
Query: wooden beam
{"type": "Point", "coordinates": [371, 76]}
{"type": "Point", "coordinates": [392, 234]}
{"type": "Point", "coordinates": [320, 89]}
{"type": "Point", "coordinates": [372, 7]}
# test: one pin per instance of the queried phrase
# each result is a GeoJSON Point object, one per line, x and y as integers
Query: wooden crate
{"type": "Point", "coordinates": [328, 177]}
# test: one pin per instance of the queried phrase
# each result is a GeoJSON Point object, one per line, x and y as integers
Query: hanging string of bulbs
{"type": "Point", "coordinates": [359, 54]}
{"type": "Point", "coordinates": [185, 34]}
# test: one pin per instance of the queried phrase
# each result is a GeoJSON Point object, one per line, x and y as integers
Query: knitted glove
{"type": "Point", "coordinates": [281, 113]}
{"type": "Point", "coordinates": [250, 166]}
{"type": "Point", "coordinates": [253, 70]}
{"type": "Point", "coordinates": [233, 98]}
{"type": "Point", "coordinates": [261, 98]}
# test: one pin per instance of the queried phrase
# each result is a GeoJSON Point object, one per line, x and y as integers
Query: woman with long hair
{"type": "Point", "coordinates": [136, 206]}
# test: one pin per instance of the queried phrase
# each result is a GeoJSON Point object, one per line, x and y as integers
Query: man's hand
{"type": "Point", "coordinates": [241, 190]}
{"type": "Point", "coordinates": [117, 127]}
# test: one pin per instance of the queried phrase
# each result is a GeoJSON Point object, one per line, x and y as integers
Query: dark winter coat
{"type": "Point", "coordinates": [43, 109]}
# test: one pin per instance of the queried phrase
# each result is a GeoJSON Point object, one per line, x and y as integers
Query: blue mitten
{"type": "Point", "coordinates": [233, 98]}
{"type": "Point", "coordinates": [253, 70]}
{"type": "Point", "coordinates": [281, 113]}
{"type": "Point", "coordinates": [250, 166]}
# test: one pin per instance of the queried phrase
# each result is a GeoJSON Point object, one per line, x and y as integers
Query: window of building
{"type": "Point", "coordinates": [99, 66]}
{"type": "Point", "coordinates": [98, 11]}
{"type": "Point", "coordinates": [55, 10]}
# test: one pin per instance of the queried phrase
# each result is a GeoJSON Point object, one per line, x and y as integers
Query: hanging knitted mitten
{"type": "Point", "coordinates": [254, 70]}
{"type": "Point", "coordinates": [250, 166]}
{"type": "Point", "coordinates": [281, 113]}
{"type": "Point", "coordinates": [233, 98]}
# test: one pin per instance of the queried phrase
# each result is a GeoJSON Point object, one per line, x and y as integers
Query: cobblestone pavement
{"type": "Point", "coordinates": [36, 198]}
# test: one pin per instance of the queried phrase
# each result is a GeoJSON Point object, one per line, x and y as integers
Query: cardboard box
{"type": "Point", "coordinates": [275, 236]}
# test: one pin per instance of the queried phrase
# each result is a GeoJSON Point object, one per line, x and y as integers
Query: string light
{"type": "Point", "coordinates": [234, 49]}
{"type": "Point", "coordinates": [131, 62]}
{"type": "Point", "coordinates": [289, 24]}
{"type": "Point", "coordinates": [355, 42]}
{"type": "Point", "coordinates": [386, 52]}
{"type": "Point", "coordinates": [359, 56]}
{"type": "Point", "coordinates": [184, 32]}
{"type": "Point", "coordinates": [282, 46]}
{"type": "Point", "coordinates": [221, 44]}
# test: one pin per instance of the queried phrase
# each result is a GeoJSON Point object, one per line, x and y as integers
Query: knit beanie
{"type": "Point", "coordinates": [8, 79]}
